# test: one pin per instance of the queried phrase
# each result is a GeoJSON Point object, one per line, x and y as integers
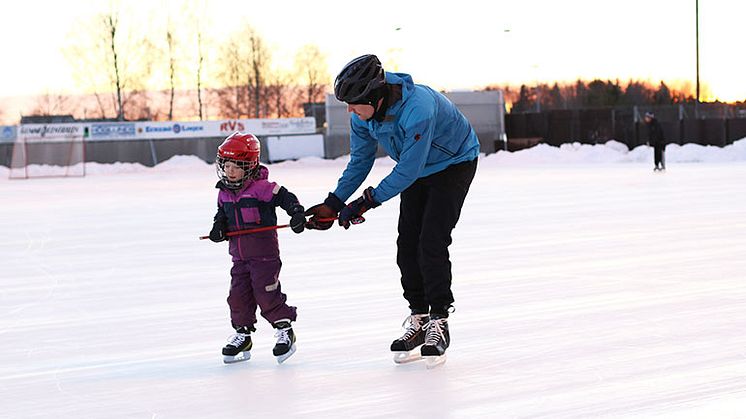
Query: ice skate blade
{"type": "Point", "coordinates": [243, 356]}
{"type": "Point", "coordinates": [405, 357]}
{"type": "Point", "coordinates": [434, 361]}
{"type": "Point", "coordinates": [283, 357]}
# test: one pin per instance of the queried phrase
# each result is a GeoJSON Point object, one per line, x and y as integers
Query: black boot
{"type": "Point", "coordinates": [437, 337]}
{"type": "Point", "coordinates": [414, 335]}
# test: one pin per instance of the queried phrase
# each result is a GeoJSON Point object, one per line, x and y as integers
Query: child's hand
{"type": "Point", "coordinates": [298, 222]}
{"type": "Point", "coordinates": [217, 234]}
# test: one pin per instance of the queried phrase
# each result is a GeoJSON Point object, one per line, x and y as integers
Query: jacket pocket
{"type": "Point", "coordinates": [250, 216]}
{"type": "Point", "coordinates": [443, 150]}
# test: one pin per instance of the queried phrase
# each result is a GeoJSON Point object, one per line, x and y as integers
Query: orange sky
{"type": "Point", "coordinates": [463, 45]}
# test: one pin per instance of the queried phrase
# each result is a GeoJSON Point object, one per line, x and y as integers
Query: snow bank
{"type": "Point", "coordinates": [616, 152]}
{"type": "Point", "coordinates": [570, 153]}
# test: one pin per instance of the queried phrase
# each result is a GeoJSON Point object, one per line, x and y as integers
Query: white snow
{"type": "Point", "coordinates": [586, 286]}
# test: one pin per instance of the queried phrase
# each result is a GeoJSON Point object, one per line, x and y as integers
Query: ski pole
{"type": "Point", "coordinates": [258, 229]}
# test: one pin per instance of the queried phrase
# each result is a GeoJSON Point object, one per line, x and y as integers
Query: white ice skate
{"type": "Point", "coordinates": [405, 357]}
{"type": "Point", "coordinates": [434, 361]}
{"type": "Point", "coordinates": [285, 346]}
{"type": "Point", "coordinates": [240, 357]}
{"type": "Point", "coordinates": [288, 354]}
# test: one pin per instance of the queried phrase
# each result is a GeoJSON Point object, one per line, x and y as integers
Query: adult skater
{"type": "Point", "coordinates": [656, 140]}
{"type": "Point", "coordinates": [436, 150]}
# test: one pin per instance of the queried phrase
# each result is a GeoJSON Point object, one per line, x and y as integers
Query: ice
{"type": "Point", "coordinates": [585, 287]}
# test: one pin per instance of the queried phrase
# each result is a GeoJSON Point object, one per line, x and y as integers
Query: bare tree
{"type": "Point", "coordinates": [179, 19]}
{"type": "Point", "coordinates": [279, 95]}
{"type": "Point", "coordinates": [111, 62]}
{"type": "Point", "coordinates": [244, 63]}
{"type": "Point", "coordinates": [171, 69]}
{"type": "Point", "coordinates": [194, 18]}
{"type": "Point", "coordinates": [111, 22]}
{"type": "Point", "coordinates": [258, 61]}
{"type": "Point", "coordinates": [85, 54]}
{"type": "Point", "coordinates": [232, 73]}
{"type": "Point", "coordinates": [200, 63]}
{"type": "Point", "coordinates": [51, 104]}
{"type": "Point", "coordinates": [313, 72]}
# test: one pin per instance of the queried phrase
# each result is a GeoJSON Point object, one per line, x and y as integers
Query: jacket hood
{"type": "Point", "coordinates": [406, 82]}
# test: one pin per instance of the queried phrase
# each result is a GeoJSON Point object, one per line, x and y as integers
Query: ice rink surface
{"type": "Point", "coordinates": [582, 290]}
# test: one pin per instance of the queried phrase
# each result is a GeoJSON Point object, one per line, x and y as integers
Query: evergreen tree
{"type": "Point", "coordinates": [635, 94]}
{"type": "Point", "coordinates": [663, 95]}
{"type": "Point", "coordinates": [555, 99]}
{"type": "Point", "coordinates": [524, 102]}
{"type": "Point", "coordinates": [581, 93]}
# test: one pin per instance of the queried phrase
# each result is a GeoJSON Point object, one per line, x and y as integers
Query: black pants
{"type": "Point", "coordinates": [429, 210]}
{"type": "Point", "coordinates": [658, 156]}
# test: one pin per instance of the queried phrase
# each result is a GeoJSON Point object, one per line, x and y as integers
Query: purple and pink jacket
{"type": "Point", "coordinates": [254, 206]}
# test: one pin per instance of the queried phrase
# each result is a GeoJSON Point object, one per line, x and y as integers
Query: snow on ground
{"type": "Point", "coordinates": [582, 290]}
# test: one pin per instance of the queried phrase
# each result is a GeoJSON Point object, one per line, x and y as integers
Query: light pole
{"type": "Point", "coordinates": [696, 18]}
{"type": "Point", "coordinates": [537, 88]}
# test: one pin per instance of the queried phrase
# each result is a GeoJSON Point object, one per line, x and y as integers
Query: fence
{"type": "Point", "coordinates": [710, 124]}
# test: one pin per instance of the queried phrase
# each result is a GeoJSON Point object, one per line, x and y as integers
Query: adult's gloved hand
{"type": "Point", "coordinates": [298, 222]}
{"type": "Point", "coordinates": [353, 212]}
{"type": "Point", "coordinates": [219, 227]}
{"type": "Point", "coordinates": [327, 209]}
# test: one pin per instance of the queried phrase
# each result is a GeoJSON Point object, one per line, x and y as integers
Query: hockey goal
{"type": "Point", "coordinates": [37, 157]}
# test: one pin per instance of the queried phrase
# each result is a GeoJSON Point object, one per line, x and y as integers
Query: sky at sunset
{"type": "Point", "coordinates": [449, 45]}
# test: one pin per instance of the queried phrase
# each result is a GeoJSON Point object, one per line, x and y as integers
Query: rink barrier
{"type": "Point", "coordinates": [150, 143]}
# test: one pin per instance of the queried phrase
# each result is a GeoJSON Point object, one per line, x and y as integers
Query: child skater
{"type": "Point", "coordinates": [247, 200]}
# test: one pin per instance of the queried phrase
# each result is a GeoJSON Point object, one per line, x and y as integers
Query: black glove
{"type": "Point", "coordinates": [298, 222]}
{"type": "Point", "coordinates": [353, 212]}
{"type": "Point", "coordinates": [219, 227]}
{"type": "Point", "coordinates": [328, 209]}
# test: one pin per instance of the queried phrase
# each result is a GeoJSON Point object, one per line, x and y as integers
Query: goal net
{"type": "Point", "coordinates": [34, 157]}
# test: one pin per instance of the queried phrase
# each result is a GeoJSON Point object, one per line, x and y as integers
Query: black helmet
{"type": "Point", "coordinates": [359, 80]}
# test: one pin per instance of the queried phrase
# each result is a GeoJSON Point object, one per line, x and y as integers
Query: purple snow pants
{"type": "Point", "coordinates": [255, 282]}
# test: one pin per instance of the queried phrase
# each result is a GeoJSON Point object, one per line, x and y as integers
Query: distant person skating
{"type": "Point", "coordinates": [247, 200]}
{"type": "Point", "coordinates": [656, 140]}
{"type": "Point", "coordinates": [436, 150]}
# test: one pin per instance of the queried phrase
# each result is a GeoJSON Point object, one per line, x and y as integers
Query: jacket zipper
{"type": "Point", "coordinates": [236, 211]}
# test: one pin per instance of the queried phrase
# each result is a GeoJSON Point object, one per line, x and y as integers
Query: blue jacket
{"type": "Point", "coordinates": [423, 132]}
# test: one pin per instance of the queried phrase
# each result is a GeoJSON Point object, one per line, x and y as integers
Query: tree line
{"type": "Point", "coordinates": [594, 94]}
{"type": "Point", "coordinates": [124, 72]}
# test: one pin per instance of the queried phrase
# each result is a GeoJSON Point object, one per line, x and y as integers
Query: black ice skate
{"type": "Point", "coordinates": [414, 336]}
{"type": "Point", "coordinates": [238, 347]}
{"type": "Point", "coordinates": [285, 345]}
{"type": "Point", "coordinates": [437, 340]}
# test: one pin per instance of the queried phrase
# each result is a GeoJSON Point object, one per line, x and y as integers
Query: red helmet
{"type": "Point", "coordinates": [242, 149]}
{"type": "Point", "coordinates": [239, 146]}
